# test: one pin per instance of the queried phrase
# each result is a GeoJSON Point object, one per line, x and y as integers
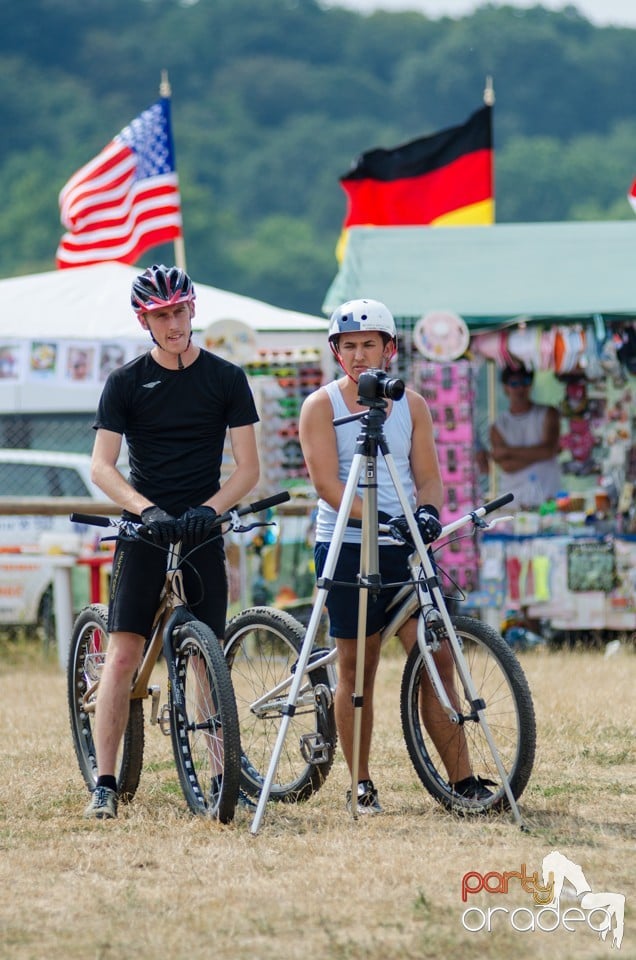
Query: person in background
{"type": "Point", "coordinates": [174, 405]}
{"type": "Point", "coordinates": [524, 442]}
{"type": "Point", "coordinates": [362, 336]}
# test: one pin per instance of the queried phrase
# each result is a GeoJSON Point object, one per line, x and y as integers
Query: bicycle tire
{"type": "Point", "coordinates": [88, 649]}
{"type": "Point", "coordinates": [205, 733]}
{"type": "Point", "coordinates": [262, 645]}
{"type": "Point", "coordinates": [500, 681]}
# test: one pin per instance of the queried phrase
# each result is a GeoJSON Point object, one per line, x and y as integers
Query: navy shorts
{"type": "Point", "coordinates": [342, 602]}
{"type": "Point", "coordinates": [139, 572]}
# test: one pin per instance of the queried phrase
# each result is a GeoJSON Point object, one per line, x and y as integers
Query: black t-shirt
{"type": "Point", "coordinates": [175, 422]}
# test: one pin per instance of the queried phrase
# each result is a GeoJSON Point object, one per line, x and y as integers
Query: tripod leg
{"type": "Point", "coordinates": [369, 565]}
{"type": "Point", "coordinates": [333, 553]}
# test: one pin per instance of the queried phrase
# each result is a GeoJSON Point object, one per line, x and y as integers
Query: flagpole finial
{"type": "Point", "coordinates": [165, 90]}
{"type": "Point", "coordinates": [489, 92]}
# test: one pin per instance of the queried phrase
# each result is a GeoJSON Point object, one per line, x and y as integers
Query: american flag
{"type": "Point", "coordinates": [126, 199]}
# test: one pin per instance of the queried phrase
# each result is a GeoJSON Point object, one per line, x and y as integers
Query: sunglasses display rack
{"type": "Point", "coordinates": [449, 390]}
{"type": "Point", "coordinates": [280, 380]}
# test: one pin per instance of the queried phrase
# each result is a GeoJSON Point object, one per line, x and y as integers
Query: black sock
{"type": "Point", "coordinates": [107, 781]}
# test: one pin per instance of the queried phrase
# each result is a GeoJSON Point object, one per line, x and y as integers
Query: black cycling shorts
{"type": "Point", "coordinates": [139, 571]}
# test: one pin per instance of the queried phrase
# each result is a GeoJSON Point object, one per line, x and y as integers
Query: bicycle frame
{"type": "Point", "coordinates": [172, 597]}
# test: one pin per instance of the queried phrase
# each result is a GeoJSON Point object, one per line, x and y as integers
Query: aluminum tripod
{"type": "Point", "coordinates": [363, 477]}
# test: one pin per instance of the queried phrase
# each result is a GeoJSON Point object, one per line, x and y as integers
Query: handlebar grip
{"type": "Point", "coordinates": [265, 504]}
{"type": "Point", "coordinates": [89, 518]}
{"type": "Point", "coordinates": [498, 502]}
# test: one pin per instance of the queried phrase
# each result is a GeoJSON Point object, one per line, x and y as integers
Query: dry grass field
{"type": "Point", "coordinates": [313, 883]}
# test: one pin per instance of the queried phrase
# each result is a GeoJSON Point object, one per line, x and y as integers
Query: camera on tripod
{"type": "Point", "coordinates": [376, 385]}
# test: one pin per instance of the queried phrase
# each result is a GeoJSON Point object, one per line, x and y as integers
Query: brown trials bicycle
{"type": "Point", "coordinates": [199, 713]}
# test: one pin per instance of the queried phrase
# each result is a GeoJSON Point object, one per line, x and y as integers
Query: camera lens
{"type": "Point", "coordinates": [393, 388]}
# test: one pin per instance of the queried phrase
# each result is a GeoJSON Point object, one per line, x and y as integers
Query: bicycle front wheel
{"type": "Point", "coordinates": [501, 683]}
{"type": "Point", "coordinates": [262, 646]}
{"type": "Point", "coordinates": [203, 722]}
{"type": "Point", "coordinates": [87, 655]}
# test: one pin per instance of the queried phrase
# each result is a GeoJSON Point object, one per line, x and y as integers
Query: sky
{"type": "Point", "coordinates": [621, 13]}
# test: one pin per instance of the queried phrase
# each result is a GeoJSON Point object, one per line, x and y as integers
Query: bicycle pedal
{"type": "Point", "coordinates": [314, 748]}
{"type": "Point", "coordinates": [163, 720]}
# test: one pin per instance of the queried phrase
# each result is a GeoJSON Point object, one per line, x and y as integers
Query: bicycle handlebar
{"type": "Point", "coordinates": [255, 507]}
{"type": "Point", "coordinates": [473, 516]}
{"type": "Point", "coordinates": [90, 518]}
{"type": "Point", "coordinates": [497, 502]}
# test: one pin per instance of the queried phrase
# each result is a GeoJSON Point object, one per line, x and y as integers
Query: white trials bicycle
{"type": "Point", "coordinates": [262, 647]}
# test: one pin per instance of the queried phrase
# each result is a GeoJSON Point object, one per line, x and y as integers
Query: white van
{"type": "Point", "coordinates": [26, 579]}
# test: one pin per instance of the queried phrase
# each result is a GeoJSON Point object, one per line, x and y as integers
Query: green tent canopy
{"type": "Point", "coordinates": [494, 275]}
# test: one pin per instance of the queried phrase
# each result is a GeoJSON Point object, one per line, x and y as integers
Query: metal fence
{"type": "Point", "coordinates": [65, 432]}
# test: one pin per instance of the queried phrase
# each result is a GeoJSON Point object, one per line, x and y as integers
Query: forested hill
{"type": "Point", "coordinates": [273, 99]}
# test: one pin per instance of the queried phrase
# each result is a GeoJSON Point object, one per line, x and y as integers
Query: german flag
{"type": "Point", "coordinates": [445, 179]}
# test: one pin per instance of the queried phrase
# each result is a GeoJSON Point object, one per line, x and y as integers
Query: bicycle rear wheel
{"type": "Point", "coordinates": [262, 646]}
{"type": "Point", "coordinates": [501, 683]}
{"type": "Point", "coordinates": [88, 651]}
{"type": "Point", "coordinates": [203, 722]}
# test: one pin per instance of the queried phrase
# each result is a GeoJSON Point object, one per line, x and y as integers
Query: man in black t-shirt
{"type": "Point", "coordinates": [174, 406]}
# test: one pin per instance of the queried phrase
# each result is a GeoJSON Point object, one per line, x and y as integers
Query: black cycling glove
{"type": "Point", "coordinates": [160, 527]}
{"type": "Point", "coordinates": [197, 524]}
{"type": "Point", "coordinates": [427, 519]}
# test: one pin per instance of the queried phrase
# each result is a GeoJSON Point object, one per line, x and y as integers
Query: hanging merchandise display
{"type": "Point", "coordinates": [275, 567]}
{"type": "Point", "coordinates": [449, 390]}
{"type": "Point", "coordinates": [281, 379]}
{"type": "Point", "coordinates": [572, 561]}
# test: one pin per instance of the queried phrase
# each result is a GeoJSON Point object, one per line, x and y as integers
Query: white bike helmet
{"type": "Point", "coordinates": [361, 315]}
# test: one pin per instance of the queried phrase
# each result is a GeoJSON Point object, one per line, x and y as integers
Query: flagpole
{"type": "Point", "coordinates": [489, 92]}
{"type": "Point", "coordinates": [165, 90]}
{"type": "Point", "coordinates": [491, 370]}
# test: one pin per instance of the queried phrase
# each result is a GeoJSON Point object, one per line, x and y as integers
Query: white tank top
{"type": "Point", "coordinates": [398, 431]}
{"type": "Point", "coordinates": [540, 481]}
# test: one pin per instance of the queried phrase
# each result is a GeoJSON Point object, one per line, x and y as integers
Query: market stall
{"type": "Point", "coordinates": [557, 298]}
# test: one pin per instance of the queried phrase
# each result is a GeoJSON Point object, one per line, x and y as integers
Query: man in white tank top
{"type": "Point", "coordinates": [525, 443]}
{"type": "Point", "coordinates": [362, 336]}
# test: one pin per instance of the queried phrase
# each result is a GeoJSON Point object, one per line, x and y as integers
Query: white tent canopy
{"type": "Point", "coordinates": [87, 306]}
{"type": "Point", "coordinates": [93, 303]}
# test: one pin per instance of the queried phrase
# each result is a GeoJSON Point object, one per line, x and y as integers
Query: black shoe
{"type": "Point", "coordinates": [367, 801]}
{"type": "Point", "coordinates": [474, 788]}
{"type": "Point", "coordinates": [245, 802]}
